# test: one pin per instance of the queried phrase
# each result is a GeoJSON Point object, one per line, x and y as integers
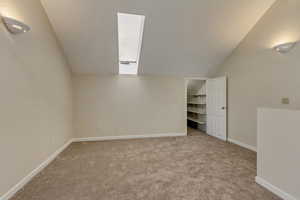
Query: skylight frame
{"type": "Point", "coordinates": [122, 69]}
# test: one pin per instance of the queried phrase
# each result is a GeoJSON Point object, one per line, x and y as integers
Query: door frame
{"type": "Point", "coordinates": [186, 80]}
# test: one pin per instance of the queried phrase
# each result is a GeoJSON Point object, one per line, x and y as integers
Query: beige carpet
{"type": "Point", "coordinates": [193, 132]}
{"type": "Point", "coordinates": [185, 168]}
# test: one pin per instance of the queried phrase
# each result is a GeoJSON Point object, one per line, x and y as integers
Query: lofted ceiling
{"type": "Point", "coordinates": [190, 37]}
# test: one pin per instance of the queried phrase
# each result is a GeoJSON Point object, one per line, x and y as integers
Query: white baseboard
{"type": "Point", "coordinates": [127, 137]}
{"type": "Point", "coordinates": [247, 146]}
{"type": "Point", "coordinates": [33, 173]}
{"type": "Point", "coordinates": [274, 189]}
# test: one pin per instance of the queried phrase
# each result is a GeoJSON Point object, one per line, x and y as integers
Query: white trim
{"type": "Point", "coordinates": [247, 146]}
{"type": "Point", "coordinates": [274, 189]}
{"type": "Point", "coordinates": [127, 137]}
{"type": "Point", "coordinates": [34, 172]}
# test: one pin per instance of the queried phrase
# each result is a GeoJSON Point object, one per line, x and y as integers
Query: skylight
{"type": "Point", "coordinates": [130, 32]}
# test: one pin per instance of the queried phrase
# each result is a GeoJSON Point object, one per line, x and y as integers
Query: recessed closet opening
{"type": "Point", "coordinates": [206, 107]}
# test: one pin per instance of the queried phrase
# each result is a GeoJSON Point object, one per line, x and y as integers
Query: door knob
{"type": "Point", "coordinates": [223, 108]}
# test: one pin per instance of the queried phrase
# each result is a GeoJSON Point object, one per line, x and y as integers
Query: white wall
{"type": "Point", "coordinates": [278, 151]}
{"type": "Point", "coordinates": [35, 86]}
{"type": "Point", "coordinates": [128, 105]}
{"type": "Point", "coordinates": [259, 76]}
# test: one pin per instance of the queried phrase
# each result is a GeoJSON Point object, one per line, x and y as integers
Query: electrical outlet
{"type": "Point", "coordinates": [285, 101]}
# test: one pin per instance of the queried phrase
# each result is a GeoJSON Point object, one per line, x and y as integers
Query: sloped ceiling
{"type": "Point", "coordinates": [181, 37]}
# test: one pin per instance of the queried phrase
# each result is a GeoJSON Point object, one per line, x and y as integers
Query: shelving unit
{"type": "Point", "coordinates": [196, 106]}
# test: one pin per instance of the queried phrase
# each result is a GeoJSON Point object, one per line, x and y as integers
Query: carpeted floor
{"type": "Point", "coordinates": [194, 132]}
{"type": "Point", "coordinates": [185, 168]}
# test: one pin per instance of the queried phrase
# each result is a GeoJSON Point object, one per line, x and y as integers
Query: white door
{"type": "Point", "coordinates": [216, 90]}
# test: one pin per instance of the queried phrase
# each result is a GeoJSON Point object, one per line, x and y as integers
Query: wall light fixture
{"type": "Point", "coordinates": [14, 26]}
{"type": "Point", "coordinates": [285, 47]}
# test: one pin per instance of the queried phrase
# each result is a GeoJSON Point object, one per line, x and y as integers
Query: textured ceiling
{"type": "Point", "coordinates": [189, 37]}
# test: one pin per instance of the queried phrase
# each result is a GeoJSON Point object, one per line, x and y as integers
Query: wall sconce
{"type": "Point", "coordinates": [15, 26]}
{"type": "Point", "coordinates": [285, 47]}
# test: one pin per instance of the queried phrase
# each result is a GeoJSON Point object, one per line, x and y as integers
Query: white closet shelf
{"type": "Point", "coordinates": [196, 103]}
{"type": "Point", "coordinates": [196, 120]}
{"type": "Point", "coordinates": [200, 95]}
{"type": "Point", "coordinates": [196, 111]}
